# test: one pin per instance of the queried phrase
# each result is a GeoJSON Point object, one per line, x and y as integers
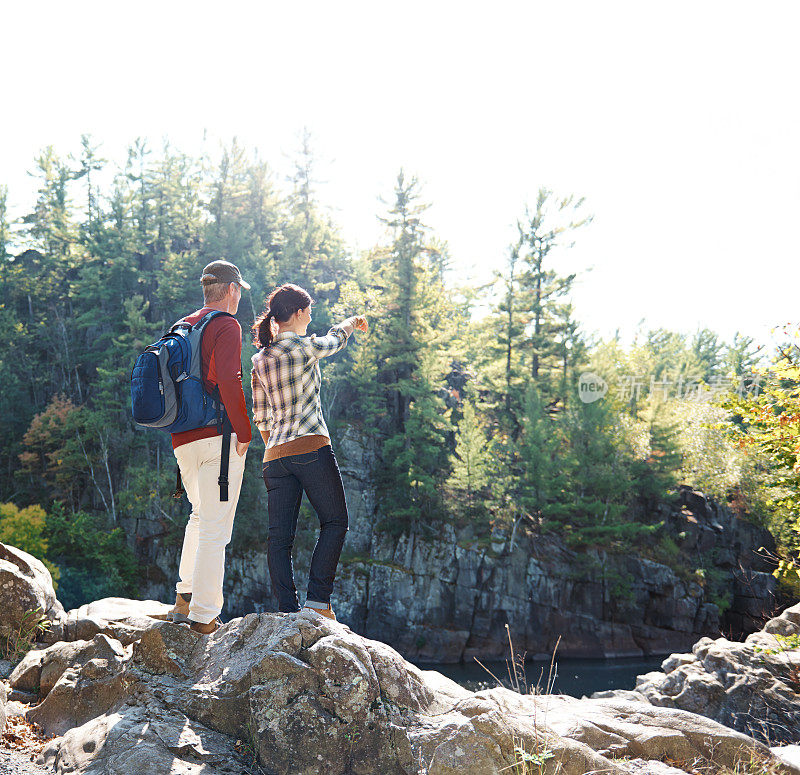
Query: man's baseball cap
{"type": "Point", "coordinates": [223, 272]}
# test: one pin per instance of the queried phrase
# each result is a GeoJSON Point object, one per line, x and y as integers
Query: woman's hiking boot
{"type": "Point", "coordinates": [180, 613]}
{"type": "Point", "coordinates": [205, 629]}
{"type": "Point", "coordinates": [321, 608]}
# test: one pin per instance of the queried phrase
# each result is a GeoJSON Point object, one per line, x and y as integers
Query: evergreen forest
{"type": "Point", "coordinates": [468, 398]}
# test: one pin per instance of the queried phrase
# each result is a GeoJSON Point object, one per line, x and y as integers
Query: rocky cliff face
{"type": "Point", "coordinates": [443, 596]}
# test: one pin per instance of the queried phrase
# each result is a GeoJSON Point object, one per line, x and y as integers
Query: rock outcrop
{"type": "Point", "coordinates": [307, 695]}
{"type": "Point", "coordinates": [40, 669]}
{"type": "Point", "coordinates": [302, 694]}
{"type": "Point", "coordinates": [25, 586]}
{"type": "Point", "coordinates": [753, 687]}
{"type": "Point", "coordinates": [119, 617]}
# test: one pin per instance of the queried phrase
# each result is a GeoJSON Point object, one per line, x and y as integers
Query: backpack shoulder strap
{"type": "Point", "coordinates": [200, 324]}
{"type": "Point", "coordinates": [199, 330]}
{"type": "Point", "coordinates": [208, 317]}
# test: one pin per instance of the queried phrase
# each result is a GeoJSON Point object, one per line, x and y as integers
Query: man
{"type": "Point", "coordinates": [199, 453]}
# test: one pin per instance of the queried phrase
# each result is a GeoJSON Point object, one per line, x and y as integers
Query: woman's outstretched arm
{"type": "Point", "coordinates": [336, 338]}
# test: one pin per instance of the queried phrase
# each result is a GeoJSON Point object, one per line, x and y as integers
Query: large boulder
{"type": "Point", "coordinates": [120, 618]}
{"type": "Point", "coordinates": [83, 691]}
{"type": "Point", "coordinates": [40, 669]}
{"type": "Point", "coordinates": [25, 586]}
{"type": "Point", "coordinates": [753, 687]}
{"type": "Point", "coordinates": [304, 694]}
{"type": "Point", "coordinates": [3, 697]}
{"type": "Point", "coordinates": [134, 742]}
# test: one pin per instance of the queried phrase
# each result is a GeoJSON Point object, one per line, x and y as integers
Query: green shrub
{"type": "Point", "coordinates": [24, 529]}
{"type": "Point", "coordinates": [18, 640]}
{"type": "Point", "coordinates": [94, 558]}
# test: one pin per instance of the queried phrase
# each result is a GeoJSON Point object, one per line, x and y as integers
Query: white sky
{"type": "Point", "coordinates": [679, 122]}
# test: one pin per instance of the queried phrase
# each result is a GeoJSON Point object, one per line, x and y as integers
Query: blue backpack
{"type": "Point", "coordinates": [167, 389]}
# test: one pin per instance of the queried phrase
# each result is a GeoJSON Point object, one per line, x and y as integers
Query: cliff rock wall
{"type": "Point", "coordinates": [442, 595]}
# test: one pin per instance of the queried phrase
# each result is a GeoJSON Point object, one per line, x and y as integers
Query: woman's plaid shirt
{"type": "Point", "coordinates": [286, 381]}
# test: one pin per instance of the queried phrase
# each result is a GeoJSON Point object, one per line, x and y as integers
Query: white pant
{"type": "Point", "coordinates": [210, 524]}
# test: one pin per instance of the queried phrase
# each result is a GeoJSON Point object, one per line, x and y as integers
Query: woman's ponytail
{"type": "Point", "coordinates": [282, 303]}
{"type": "Point", "coordinates": [262, 329]}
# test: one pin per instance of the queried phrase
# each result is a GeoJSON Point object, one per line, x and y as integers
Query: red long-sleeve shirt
{"type": "Point", "coordinates": [221, 364]}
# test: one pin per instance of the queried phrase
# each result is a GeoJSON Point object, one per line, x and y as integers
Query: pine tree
{"type": "Point", "coordinates": [741, 356]}
{"type": "Point", "coordinates": [90, 162]}
{"type": "Point", "coordinates": [597, 469]}
{"type": "Point", "coordinates": [500, 360]}
{"type": "Point", "coordinates": [655, 476]}
{"type": "Point", "coordinates": [302, 198]}
{"type": "Point", "coordinates": [229, 233]}
{"type": "Point", "coordinates": [569, 349]}
{"type": "Point", "coordinates": [314, 256]}
{"type": "Point", "coordinates": [44, 273]}
{"type": "Point", "coordinates": [543, 290]}
{"type": "Point", "coordinates": [536, 335]}
{"type": "Point", "coordinates": [472, 458]}
{"type": "Point", "coordinates": [409, 365]}
{"type": "Point", "coordinates": [708, 352]}
{"type": "Point", "coordinates": [397, 272]}
{"type": "Point", "coordinates": [138, 173]}
{"type": "Point", "coordinates": [671, 356]}
{"type": "Point", "coordinates": [541, 465]}
{"type": "Point", "coordinates": [51, 226]}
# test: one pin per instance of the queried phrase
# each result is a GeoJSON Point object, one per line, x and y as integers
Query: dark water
{"type": "Point", "coordinates": [576, 677]}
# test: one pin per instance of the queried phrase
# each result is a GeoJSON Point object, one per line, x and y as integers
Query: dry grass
{"type": "Point", "coordinates": [751, 763]}
{"type": "Point", "coordinates": [539, 757]}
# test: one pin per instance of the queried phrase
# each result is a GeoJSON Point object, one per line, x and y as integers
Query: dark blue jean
{"type": "Point", "coordinates": [316, 473]}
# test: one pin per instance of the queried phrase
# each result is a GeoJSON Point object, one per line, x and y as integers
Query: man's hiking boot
{"type": "Point", "coordinates": [205, 629]}
{"type": "Point", "coordinates": [320, 608]}
{"type": "Point", "coordinates": [180, 613]}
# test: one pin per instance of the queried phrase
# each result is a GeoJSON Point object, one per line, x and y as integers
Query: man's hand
{"type": "Point", "coordinates": [361, 323]}
{"type": "Point", "coordinates": [241, 447]}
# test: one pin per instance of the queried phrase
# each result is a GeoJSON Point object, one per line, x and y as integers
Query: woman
{"type": "Point", "coordinates": [298, 456]}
